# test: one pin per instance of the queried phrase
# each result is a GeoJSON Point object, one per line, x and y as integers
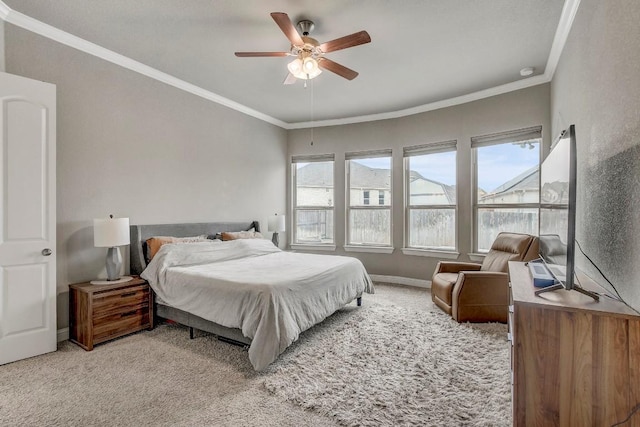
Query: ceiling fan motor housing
{"type": "Point", "coordinates": [305, 26]}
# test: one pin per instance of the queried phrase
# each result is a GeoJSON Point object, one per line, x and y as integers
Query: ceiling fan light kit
{"type": "Point", "coordinates": [310, 55]}
{"type": "Point", "coordinates": [304, 69]}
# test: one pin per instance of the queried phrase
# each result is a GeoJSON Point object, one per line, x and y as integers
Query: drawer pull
{"type": "Point", "coordinates": [129, 313]}
{"type": "Point", "coordinates": [128, 294]}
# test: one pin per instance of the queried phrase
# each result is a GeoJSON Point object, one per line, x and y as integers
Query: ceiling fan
{"type": "Point", "coordinates": [309, 54]}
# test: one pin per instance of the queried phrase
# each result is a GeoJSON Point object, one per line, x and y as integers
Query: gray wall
{"type": "Point", "coordinates": [515, 110]}
{"type": "Point", "coordinates": [597, 88]}
{"type": "Point", "coordinates": [133, 147]}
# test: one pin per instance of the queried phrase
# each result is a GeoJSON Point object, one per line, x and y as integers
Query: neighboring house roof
{"type": "Point", "coordinates": [527, 180]}
{"type": "Point", "coordinates": [315, 174]}
{"type": "Point", "coordinates": [320, 174]}
{"type": "Point", "coordinates": [365, 177]}
{"type": "Point", "coordinates": [449, 190]}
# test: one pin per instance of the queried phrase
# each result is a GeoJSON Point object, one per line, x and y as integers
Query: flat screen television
{"type": "Point", "coordinates": [557, 227]}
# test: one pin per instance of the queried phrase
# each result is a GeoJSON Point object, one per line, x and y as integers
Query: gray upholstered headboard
{"type": "Point", "coordinates": [140, 234]}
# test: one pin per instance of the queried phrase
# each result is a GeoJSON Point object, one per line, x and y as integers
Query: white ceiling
{"type": "Point", "coordinates": [423, 52]}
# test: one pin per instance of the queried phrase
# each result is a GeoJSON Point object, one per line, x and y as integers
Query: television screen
{"type": "Point", "coordinates": [558, 207]}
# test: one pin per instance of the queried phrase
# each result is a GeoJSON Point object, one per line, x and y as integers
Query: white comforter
{"type": "Point", "coordinates": [250, 284]}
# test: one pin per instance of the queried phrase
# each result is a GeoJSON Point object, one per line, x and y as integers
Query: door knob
{"type": "Point", "coordinates": [46, 252]}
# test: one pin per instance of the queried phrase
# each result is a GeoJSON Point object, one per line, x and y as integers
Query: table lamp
{"type": "Point", "coordinates": [110, 233]}
{"type": "Point", "coordinates": [276, 225]}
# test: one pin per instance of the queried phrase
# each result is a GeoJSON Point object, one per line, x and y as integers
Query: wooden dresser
{"type": "Point", "coordinates": [99, 313]}
{"type": "Point", "coordinates": [574, 361]}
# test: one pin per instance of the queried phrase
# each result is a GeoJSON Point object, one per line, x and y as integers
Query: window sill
{"type": "Point", "coordinates": [430, 253]}
{"type": "Point", "coordinates": [300, 247]}
{"type": "Point", "coordinates": [369, 249]}
{"type": "Point", "coordinates": [477, 257]}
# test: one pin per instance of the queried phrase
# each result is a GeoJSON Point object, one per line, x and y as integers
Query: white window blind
{"type": "Point", "coordinates": [525, 134]}
{"type": "Point", "coordinates": [431, 148]}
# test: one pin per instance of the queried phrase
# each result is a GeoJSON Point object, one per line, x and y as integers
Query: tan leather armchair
{"type": "Point", "coordinates": [472, 292]}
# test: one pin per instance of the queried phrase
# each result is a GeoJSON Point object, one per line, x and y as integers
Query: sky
{"type": "Point", "coordinates": [497, 164]}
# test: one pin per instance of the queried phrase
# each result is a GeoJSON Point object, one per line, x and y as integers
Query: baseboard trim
{"type": "Point", "coordinates": [397, 280]}
{"type": "Point", "coordinates": [63, 334]}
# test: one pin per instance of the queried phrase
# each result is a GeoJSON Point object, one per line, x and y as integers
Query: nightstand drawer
{"type": "Point", "coordinates": [120, 324]}
{"type": "Point", "coordinates": [119, 313]}
{"type": "Point", "coordinates": [119, 300]}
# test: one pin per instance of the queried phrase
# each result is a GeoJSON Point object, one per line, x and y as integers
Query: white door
{"type": "Point", "coordinates": [27, 218]}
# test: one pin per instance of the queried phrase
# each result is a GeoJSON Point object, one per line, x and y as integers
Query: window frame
{"type": "Point", "coordinates": [294, 244]}
{"type": "Point", "coordinates": [508, 137]}
{"type": "Point", "coordinates": [421, 150]}
{"type": "Point", "coordinates": [357, 247]}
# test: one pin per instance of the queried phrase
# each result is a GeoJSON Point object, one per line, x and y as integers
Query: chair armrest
{"type": "Point", "coordinates": [456, 267]}
{"type": "Point", "coordinates": [478, 287]}
{"type": "Point", "coordinates": [481, 296]}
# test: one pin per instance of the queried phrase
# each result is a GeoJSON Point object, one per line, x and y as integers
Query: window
{"type": "Point", "coordinates": [430, 200]}
{"type": "Point", "coordinates": [312, 200]}
{"type": "Point", "coordinates": [368, 174]}
{"type": "Point", "coordinates": [507, 190]}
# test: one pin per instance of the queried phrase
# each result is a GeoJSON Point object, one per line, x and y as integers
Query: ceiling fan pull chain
{"type": "Point", "coordinates": [305, 82]}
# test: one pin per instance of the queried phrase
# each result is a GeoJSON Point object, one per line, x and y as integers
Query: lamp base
{"type": "Point", "coordinates": [274, 239]}
{"type": "Point", "coordinates": [111, 282]}
{"type": "Point", "coordinates": [114, 263]}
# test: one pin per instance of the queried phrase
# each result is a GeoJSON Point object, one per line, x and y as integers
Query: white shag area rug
{"type": "Point", "coordinates": [382, 364]}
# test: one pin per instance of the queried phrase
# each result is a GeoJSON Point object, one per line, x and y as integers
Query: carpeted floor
{"type": "Point", "coordinates": [397, 360]}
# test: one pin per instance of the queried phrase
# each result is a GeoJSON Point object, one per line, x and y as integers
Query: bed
{"type": "Point", "coordinates": [246, 290]}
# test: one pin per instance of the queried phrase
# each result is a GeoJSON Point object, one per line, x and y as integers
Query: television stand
{"type": "Point", "coordinates": [574, 362]}
{"type": "Point", "coordinates": [575, 288]}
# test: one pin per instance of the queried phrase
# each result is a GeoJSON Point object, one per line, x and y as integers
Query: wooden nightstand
{"type": "Point", "coordinates": [98, 313]}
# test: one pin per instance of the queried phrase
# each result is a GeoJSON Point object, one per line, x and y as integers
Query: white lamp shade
{"type": "Point", "coordinates": [110, 232]}
{"type": "Point", "coordinates": [295, 66]}
{"type": "Point", "coordinates": [277, 223]}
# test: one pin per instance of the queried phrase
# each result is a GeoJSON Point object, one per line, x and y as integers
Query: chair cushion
{"type": "Point", "coordinates": [507, 247]}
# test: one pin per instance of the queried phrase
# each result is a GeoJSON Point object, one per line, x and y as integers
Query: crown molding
{"type": "Point", "coordinates": [4, 11]}
{"type": "Point", "coordinates": [569, 11]}
{"type": "Point", "coordinates": [463, 99]}
{"type": "Point", "coordinates": [567, 16]}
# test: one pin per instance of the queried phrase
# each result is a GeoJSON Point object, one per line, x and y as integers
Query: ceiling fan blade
{"type": "Point", "coordinates": [340, 70]}
{"type": "Point", "coordinates": [283, 21]}
{"type": "Point", "coordinates": [255, 54]}
{"type": "Point", "coordinates": [351, 40]}
{"type": "Point", "coordinates": [289, 80]}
